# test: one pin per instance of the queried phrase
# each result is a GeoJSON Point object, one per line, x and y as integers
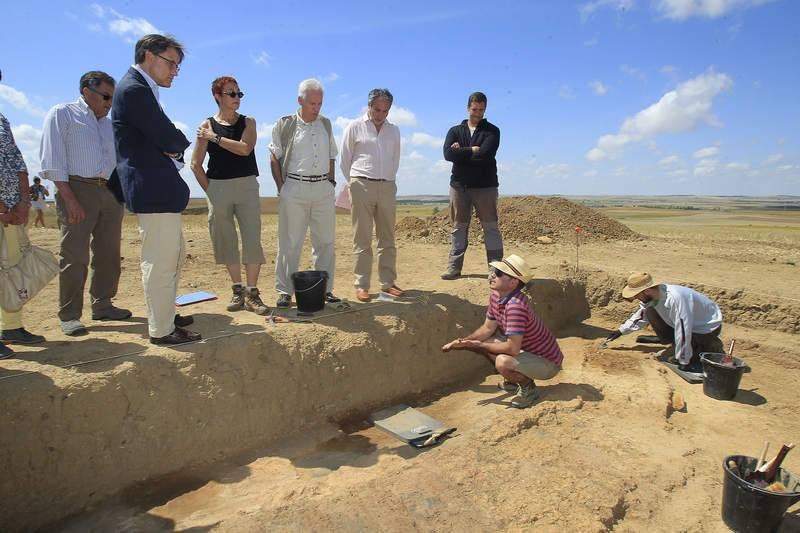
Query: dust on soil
{"type": "Point", "coordinates": [602, 450]}
{"type": "Point", "coordinates": [524, 219]}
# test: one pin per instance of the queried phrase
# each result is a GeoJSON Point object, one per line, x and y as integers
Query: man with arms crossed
{"type": "Point", "coordinates": [303, 163]}
{"type": "Point", "coordinates": [513, 337]}
{"type": "Point", "coordinates": [77, 154]}
{"type": "Point", "coordinates": [370, 159]}
{"type": "Point", "coordinates": [149, 154]}
{"type": "Point", "coordinates": [471, 147]}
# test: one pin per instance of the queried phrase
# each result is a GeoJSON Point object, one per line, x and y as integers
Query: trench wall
{"type": "Point", "coordinates": [70, 438]}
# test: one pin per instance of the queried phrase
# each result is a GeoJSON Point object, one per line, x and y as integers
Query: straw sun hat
{"type": "Point", "coordinates": [637, 282]}
{"type": "Point", "coordinates": [514, 266]}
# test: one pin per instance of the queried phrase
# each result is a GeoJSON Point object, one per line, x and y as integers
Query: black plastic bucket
{"type": "Point", "coordinates": [721, 381]}
{"type": "Point", "coordinates": [749, 509]}
{"type": "Point", "coordinates": [309, 289]}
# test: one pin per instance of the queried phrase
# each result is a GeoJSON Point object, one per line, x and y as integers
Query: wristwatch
{"type": "Point", "coordinates": [217, 138]}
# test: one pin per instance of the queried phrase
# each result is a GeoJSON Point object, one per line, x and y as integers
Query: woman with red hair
{"type": "Point", "coordinates": [231, 187]}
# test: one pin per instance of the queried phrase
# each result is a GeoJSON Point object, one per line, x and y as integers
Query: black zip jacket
{"type": "Point", "coordinates": [473, 171]}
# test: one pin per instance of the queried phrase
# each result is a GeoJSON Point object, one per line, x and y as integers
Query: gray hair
{"type": "Point", "coordinates": [382, 94]}
{"type": "Point", "coordinates": [94, 78]}
{"type": "Point", "coordinates": [156, 44]}
{"type": "Point", "coordinates": [311, 84]}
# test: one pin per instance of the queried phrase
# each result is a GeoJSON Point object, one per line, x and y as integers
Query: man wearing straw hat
{"type": "Point", "coordinates": [512, 336]}
{"type": "Point", "coordinates": [679, 315]}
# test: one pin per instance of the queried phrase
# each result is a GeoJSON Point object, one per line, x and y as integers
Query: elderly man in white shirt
{"type": "Point", "coordinates": [303, 163]}
{"type": "Point", "coordinates": [370, 159]}
{"type": "Point", "coordinates": [77, 154]}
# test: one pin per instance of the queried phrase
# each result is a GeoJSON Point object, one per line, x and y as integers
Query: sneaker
{"type": "Point", "coordinates": [508, 386]}
{"type": "Point", "coordinates": [111, 313]}
{"type": "Point", "coordinates": [450, 274]}
{"type": "Point", "coordinates": [253, 303]}
{"type": "Point", "coordinates": [526, 395]}
{"type": "Point", "coordinates": [73, 328]}
{"type": "Point", "coordinates": [284, 300]}
{"type": "Point", "coordinates": [237, 300]}
{"type": "Point", "coordinates": [5, 351]}
{"type": "Point", "coordinates": [331, 299]}
{"type": "Point", "coordinates": [20, 336]}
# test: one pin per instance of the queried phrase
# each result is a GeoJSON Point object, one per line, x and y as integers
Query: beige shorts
{"type": "Point", "coordinates": [535, 366]}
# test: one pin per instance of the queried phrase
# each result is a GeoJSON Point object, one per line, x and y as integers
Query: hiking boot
{"type": "Point", "coordinates": [253, 303]}
{"type": "Point", "coordinates": [284, 300]}
{"type": "Point", "coordinates": [20, 336]}
{"type": "Point", "coordinates": [508, 386]}
{"type": "Point", "coordinates": [237, 300]}
{"type": "Point", "coordinates": [450, 274]}
{"type": "Point", "coordinates": [526, 395]}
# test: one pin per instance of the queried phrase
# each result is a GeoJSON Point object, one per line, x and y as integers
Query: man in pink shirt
{"type": "Point", "coordinates": [512, 336]}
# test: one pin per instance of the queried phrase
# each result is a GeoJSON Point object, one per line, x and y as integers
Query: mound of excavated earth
{"type": "Point", "coordinates": [525, 219]}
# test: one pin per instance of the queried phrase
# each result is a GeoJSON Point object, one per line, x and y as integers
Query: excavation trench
{"type": "Point", "coordinates": [72, 437]}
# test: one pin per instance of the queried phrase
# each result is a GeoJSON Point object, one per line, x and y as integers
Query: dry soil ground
{"type": "Point", "coordinates": [602, 450]}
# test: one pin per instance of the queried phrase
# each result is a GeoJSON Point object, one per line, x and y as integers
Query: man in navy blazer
{"type": "Point", "coordinates": [149, 155]}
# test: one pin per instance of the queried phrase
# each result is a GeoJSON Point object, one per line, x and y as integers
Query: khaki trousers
{"type": "Point", "coordinates": [162, 259]}
{"type": "Point", "coordinates": [9, 320]}
{"type": "Point", "coordinates": [302, 205]}
{"type": "Point", "coordinates": [100, 231]}
{"type": "Point", "coordinates": [373, 202]}
{"type": "Point", "coordinates": [235, 198]}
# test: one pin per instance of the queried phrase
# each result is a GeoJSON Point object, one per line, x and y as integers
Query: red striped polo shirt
{"type": "Point", "coordinates": [515, 317]}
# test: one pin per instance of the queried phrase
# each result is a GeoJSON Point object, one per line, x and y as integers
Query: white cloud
{"type": "Point", "coordinates": [415, 155]}
{"type": "Point", "coordinates": [130, 29]}
{"type": "Point", "coordinates": [426, 139]}
{"type": "Point", "coordinates": [709, 151]}
{"type": "Point", "coordinates": [402, 116]}
{"type": "Point", "coordinates": [590, 42]}
{"type": "Point", "coordinates": [679, 110]}
{"type": "Point", "coordinates": [677, 173]}
{"type": "Point", "coordinates": [786, 167]}
{"type": "Point", "coordinates": [590, 173]}
{"type": "Point", "coordinates": [566, 92]}
{"type": "Point", "coordinates": [264, 130]}
{"type": "Point", "coordinates": [598, 87]}
{"type": "Point", "coordinates": [552, 170]}
{"type": "Point", "coordinates": [734, 165]}
{"type": "Point", "coordinates": [28, 138]}
{"type": "Point", "coordinates": [586, 10]}
{"type": "Point", "coordinates": [774, 158]}
{"type": "Point", "coordinates": [684, 9]}
{"type": "Point", "coordinates": [668, 70]}
{"type": "Point", "coordinates": [262, 58]}
{"type": "Point", "coordinates": [632, 71]}
{"type": "Point", "coordinates": [706, 167]}
{"type": "Point", "coordinates": [669, 160]}
{"type": "Point", "coordinates": [19, 100]}
{"type": "Point", "coordinates": [343, 122]}
{"type": "Point", "coordinates": [332, 76]}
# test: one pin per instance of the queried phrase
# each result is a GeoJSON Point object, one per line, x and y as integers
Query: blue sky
{"type": "Point", "coordinates": [591, 97]}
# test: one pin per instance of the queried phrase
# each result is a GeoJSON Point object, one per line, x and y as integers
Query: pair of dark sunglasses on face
{"type": "Point", "coordinates": [498, 273]}
{"type": "Point", "coordinates": [106, 97]}
{"type": "Point", "coordinates": [233, 94]}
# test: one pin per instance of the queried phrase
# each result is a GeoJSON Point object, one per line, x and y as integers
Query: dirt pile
{"type": "Point", "coordinates": [524, 219]}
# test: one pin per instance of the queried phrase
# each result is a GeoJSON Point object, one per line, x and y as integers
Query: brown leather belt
{"type": "Point", "coordinates": [100, 182]}
{"type": "Point", "coordinates": [368, 179]}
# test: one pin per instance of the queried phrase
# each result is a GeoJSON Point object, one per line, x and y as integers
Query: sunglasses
{"type": "Point", "coordinates": [106, 97]}
{"type": "Point", "coordinates": [234, 94]}
{"type": "Point", "coordinates": [498, 273]}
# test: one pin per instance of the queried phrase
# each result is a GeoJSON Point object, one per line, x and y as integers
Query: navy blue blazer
{"type": "Point", "coordinates": [148, 179]}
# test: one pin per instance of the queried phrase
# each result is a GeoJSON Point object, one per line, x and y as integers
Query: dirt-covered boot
{"type": "Point", "coordinates": [253, 303]}
{"type": "Point", "coordinates": [237, 300]}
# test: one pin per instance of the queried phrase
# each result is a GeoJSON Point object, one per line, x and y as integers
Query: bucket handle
{"type": "Point", "coordinates": [311, 287]}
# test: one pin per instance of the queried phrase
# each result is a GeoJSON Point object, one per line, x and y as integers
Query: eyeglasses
{"type": "Point", "coordinates": [106, 97]}
{"type": "Point", "coordinates": [234, 94]}
{"type": "Point", "coordinates": [498, 273]}
{"type": "Point", "coordinates": [171, 62]}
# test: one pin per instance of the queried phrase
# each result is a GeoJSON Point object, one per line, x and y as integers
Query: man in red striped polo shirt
{"type": "Point", "coordinates": [512, 336]}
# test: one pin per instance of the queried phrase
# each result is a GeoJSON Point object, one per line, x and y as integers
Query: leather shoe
{"type": "Point", "coordinates": [178, 336]}
{"type": "Point", "coordinates": [331, 299]}
{"type": "Point", "coordinates": [183, 321]}
{"type": "Point", "coordinates": [362, 295]}
{"type": "Point", "coordinates": [20, 336]}
{"type": "Point", "coordinates": [394, 291]}
{"type": "Point", "coordinates": [111, 313]}
{"type": "Point", "coordinates": [5, 351]}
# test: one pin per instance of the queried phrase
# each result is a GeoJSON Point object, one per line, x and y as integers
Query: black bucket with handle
{"type": "Point", "coordinates": [750, 509]}
{"type": "Point", "coordinates": [309, 289]}
{"type": "Point", "coordinates": [721, 381]}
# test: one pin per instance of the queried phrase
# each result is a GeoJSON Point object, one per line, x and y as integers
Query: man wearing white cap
{"type": "Point", "coordinates": [679, 315]}
{"type": "Point", "coordinates": [513, 337]}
